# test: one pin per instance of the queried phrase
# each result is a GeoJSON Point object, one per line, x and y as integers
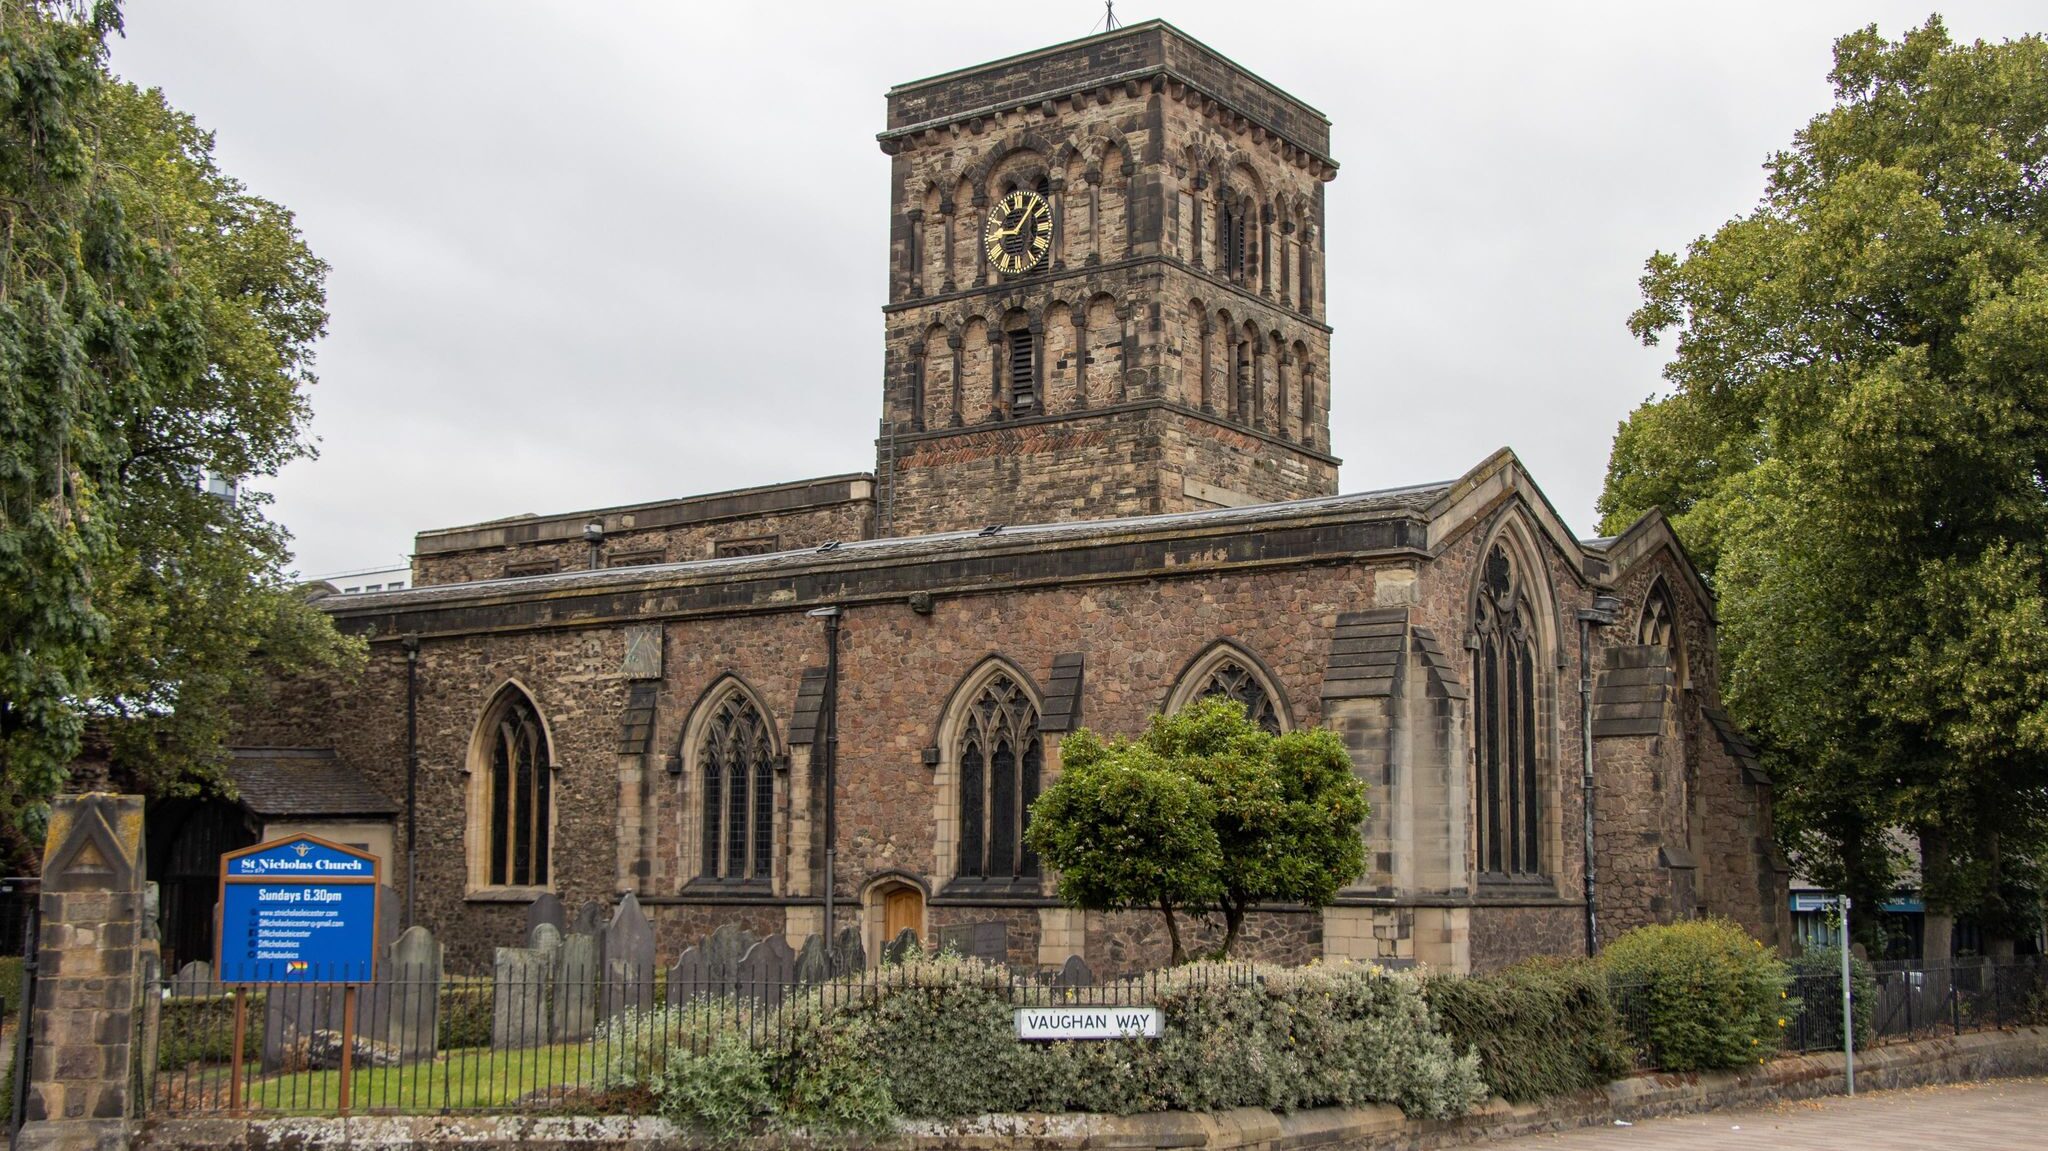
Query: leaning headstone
{"type": "Point", "coordinates": [1074, 973]}
{"type": "Point", "coordinates": [813, 962]}
{"type": "Point", "coordinates": [628, 960]}
{"type": "Point", "coordinates": [686, 977]}
{"type": "Point", "coordinates": [520, 982]}
{"type": "Point", "coordinates": [414, 973]}
{"type": "Point", "coordinates": [547, 909]}
{"type": "Point", "coordinates": [902, 947]}
{"type": "Point", "coordinates": [766, 970]}
{"type": "Point", "coordinates": [195, 978]}
{"type": "Point", "coordinates": [849, 954]}
{"type": "Point", "coordinates": [578, 967]}
{"type": "Point", "coordinates": [590, 919]}
{"type": "Point", "coordinates": [722, 952]}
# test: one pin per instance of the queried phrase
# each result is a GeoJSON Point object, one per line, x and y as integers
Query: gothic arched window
{"type": "Point", "coordinates": [1233, 680]}
{"type": "Point", "coordinates": [1504, 722]}
{"type": "Point", "coordinates": [517, 800]}
{"type": "Point", "coordinates": [1657, 628]}
{"type": "Point", "coordinates": [1000, 755]}
{"type": "Point", "coordinates": [736, 758]}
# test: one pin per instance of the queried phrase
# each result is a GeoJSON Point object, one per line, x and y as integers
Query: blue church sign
{"type": "Point", "coordinates": [298, 910]}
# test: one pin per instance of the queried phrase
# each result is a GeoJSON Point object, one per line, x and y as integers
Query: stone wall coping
{"type": "Point", "coordinates": [739, 503]}
{"type": "Point", "coordinates": [1981, 1055]}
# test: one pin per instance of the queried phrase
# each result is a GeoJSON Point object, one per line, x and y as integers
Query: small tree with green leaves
{"type": "Point", "coordinates": [1205, 811]}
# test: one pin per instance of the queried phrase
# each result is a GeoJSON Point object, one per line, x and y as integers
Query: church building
{"type": "Point", "coordinates": [1103, 488]}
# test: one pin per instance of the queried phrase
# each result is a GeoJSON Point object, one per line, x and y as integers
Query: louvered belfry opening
{"type": "Point", "coordinates": [1023, 388]}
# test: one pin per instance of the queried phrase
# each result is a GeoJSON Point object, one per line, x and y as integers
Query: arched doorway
{"type": "Point", "coordinates": [894, 904]}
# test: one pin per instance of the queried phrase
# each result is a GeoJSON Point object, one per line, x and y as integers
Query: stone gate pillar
{"type": "Point", "coordinates": [95, 955]}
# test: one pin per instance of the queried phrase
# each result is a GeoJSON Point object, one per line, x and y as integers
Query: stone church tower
{"type": "Point", "coordinates": [1105, 289]}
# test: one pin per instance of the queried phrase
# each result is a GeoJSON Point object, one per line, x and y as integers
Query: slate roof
{"type": "Point", "coordinates": [301, 783]}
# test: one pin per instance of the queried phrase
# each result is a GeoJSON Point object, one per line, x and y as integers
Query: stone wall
{"type": "Point", "coordinates": [96, 958]}
{"type": "Point", "coordinates": [775, 518]}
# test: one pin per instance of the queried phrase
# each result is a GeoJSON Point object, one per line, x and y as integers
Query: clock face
{"type": "Point", "coordinates": [1018, 233]}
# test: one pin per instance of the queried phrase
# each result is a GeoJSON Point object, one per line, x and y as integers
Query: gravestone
{"type": "Point", "coordinates": [766, 970]}
{"type": "Point", "coordinates": [521, 979]}
{"type": "Point", "coordinates": [544, 937]}
{"type": "Point", "coordinates": [292, 1012]}
{"type": "Point", "coordinates": [195, 978]}
{"type": "Point", "coordinates": [813, 962]}
{"type": "Point", "coordinates": [1074, 973]}
{"type": "Point", "coordinates": [686, 977]}
{"type": "Point", "coordinates": [590, 919]}
{"type": "Point", "coordinates": [903, 947]}
{"type": "Point", "coordinates": [547, 909]}
{"type": "Point", "coordinates": [849, 954]}
{"type": "Point", "coordinates": [414, 974]}
{"type": "Point", "coordinates": [628, 960]}
{"type": "Point", "coordinates": [722, 954]}
{"type": "Point", "coordinates": [579, 966]}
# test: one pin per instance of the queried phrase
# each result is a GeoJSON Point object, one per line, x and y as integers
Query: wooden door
{"type": "Point", "coordinates": [902, 909]}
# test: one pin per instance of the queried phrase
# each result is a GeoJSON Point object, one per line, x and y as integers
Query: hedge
{"type": "Point", "coordinates": [1700, 995]}
{"type": "Point", "coordinates": [936, 1039]}
{"type": "Point", "coordinates": [1543, 1027]}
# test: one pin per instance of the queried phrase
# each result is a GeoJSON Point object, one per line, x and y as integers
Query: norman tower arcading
{"type": "Point", "coordinates": [1105, 289]}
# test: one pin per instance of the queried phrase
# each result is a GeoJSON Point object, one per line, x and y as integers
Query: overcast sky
{"type": "Point", "coordinates": [599, 253]}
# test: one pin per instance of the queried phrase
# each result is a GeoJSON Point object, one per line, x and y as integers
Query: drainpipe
{"type": "Point", "coordinates": [1600, 614]}
{"type": "Point", "coordinates": [412, 774]}
{"type": "Point", "coordinates": [830, 614]}
{"type": "Point", "coordinates": [593, 534]}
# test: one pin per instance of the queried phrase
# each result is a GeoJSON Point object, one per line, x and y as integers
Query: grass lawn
{"type": "Point", "coordinates": [467, 1079]}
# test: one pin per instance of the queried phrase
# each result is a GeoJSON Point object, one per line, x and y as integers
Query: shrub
{"type": "Point", "coordinates": [1541, 1028]}
{"type": "Point", "coordinates": [1699, 995]}
{"type": "Point", "coordinates": [201, 1029]}
{"type": "Point", "coordinates": [465, 1013]}
{"type": "Point", "coordinates": [1813, 1012]}
{"type": "Point", "coordinates": [720, 1090]}
{"type": "Point", "coordinates": [941, 1036]}
{"type": "Point", "coordinates": [12, 984]}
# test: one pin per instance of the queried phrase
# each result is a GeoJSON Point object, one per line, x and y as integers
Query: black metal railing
{"type": "Point", "coordinates": [1894, 1002]}
{"type": "Point", "coordinates": [495, 1044]}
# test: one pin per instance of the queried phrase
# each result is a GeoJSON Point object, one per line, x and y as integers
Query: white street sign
{"type": "Point", "coordinates": [1088, 1023]}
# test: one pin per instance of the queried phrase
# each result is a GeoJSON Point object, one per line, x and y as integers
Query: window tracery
{"type": "Point", "coordinates": [736, 811]}
{"type": "Point", "coordinates": [1001, 755]}
{"type": "Point", "coordinates": [1504, 722]}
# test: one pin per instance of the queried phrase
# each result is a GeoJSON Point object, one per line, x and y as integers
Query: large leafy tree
{"type": "Point", "coordinates": [157, 325]}
{"type": "Point", "coordinates": [1855, 449]}
{"type": "Point", "coordinates": [1206, 811]}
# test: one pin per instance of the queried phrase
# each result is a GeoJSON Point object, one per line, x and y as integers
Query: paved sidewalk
{"type": "Point", "coordinates": [2000, 1115]}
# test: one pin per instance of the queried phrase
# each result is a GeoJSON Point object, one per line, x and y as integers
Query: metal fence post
{"type": "Point", "coordinates": [1848, 1015]}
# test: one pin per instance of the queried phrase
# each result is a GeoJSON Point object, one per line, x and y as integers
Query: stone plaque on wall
{"type": "Point", "coordinates": [643, 653]}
